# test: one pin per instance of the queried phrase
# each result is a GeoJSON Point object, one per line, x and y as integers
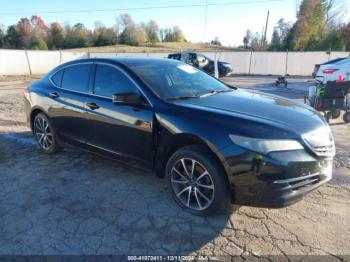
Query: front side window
{"type": "Point", "coordinates": [77, 78]}
{"type": "Point", "coordinates": [110, 81]}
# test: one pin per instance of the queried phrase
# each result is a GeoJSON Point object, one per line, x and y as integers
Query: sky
{"type": "Point", "coordinates": [228, 22]}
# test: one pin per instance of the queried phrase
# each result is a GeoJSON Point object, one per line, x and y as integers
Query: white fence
{"type": "Point", "coordinates": [21, 62]}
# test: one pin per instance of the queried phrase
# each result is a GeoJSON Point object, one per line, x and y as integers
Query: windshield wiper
{"type": "Point", "coordinates": [182, 97]}
{"type": "Point", "coordinates": [214, 92]}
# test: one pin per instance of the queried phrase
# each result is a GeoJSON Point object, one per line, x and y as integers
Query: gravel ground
{"type": "Point", "coordinates": [75, 203]}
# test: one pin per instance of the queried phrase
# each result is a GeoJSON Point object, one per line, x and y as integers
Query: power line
{"type": "Point", "coordinates": [141, 8]}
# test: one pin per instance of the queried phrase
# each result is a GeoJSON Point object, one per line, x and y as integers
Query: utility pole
{"type": "Point", "coordinates": [267, 23]}
{"type": "Point", "coordinates": [297, 5]}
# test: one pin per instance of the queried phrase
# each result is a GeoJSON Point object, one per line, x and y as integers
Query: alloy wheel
{"type": "Point", "coordinates": [43, 133]}
{"type": "Point", "coordinates": [192, 184]}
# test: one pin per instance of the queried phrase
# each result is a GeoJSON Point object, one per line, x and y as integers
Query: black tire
{"type": "Point", "coordinates": [216, 190]}
{"type": "Point", "coordinates": [336, 114]}
{"type": "Point", "coordinates": [45, 134]}
{"type": "Point", "coordinates": [346, 117]}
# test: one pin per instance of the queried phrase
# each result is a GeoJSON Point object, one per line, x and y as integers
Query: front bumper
{"type": "Point", "coordinates": [27, 109]}
{"type": "Point", "coordinates": [274, 181]}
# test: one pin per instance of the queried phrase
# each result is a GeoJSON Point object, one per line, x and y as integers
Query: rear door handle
{"type": "Point", "coordinates": [92, 106]}
{"type": "Point", "coordinates": [54, 94]}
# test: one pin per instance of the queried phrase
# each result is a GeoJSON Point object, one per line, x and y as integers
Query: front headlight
{"type": "Point", "coordinates": [265, 146]}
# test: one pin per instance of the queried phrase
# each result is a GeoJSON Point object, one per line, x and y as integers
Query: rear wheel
{"type": "Point", "coordinates": [45, 134]}
{"type": "Point", "coordinates": [197, 181]}
{"type": "Point", "coordinates": [346, 117]}
{"type": "Point", "coordinates": [335, 114]}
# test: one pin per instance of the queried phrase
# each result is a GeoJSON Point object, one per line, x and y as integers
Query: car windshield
{"type": "Point", "coordinates": [172, 80]}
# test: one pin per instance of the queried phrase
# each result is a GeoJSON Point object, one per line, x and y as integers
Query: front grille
{"type": "Point", "coordinates": [323, 150]}
{"type": "Point", "coordinates": [299, 185]}
{"type": "Point", "coordinates": [321, 142]}
{"type": "Point", "coordinates": [302, 183]}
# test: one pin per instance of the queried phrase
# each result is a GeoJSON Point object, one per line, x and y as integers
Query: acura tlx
{"type": "Point", "coordinates": [213, 143]}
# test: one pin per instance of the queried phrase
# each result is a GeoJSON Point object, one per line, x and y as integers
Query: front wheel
{"type": "Point", "coordinates": [45, 134]}
{"type": "Point", "coordinates": [197, 180]}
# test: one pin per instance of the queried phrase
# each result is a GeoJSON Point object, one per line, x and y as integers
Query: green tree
{"type": "Point", "coordinates": [345, 32]}
{"type": "Point", "coordinates": [103, 36]}
{"type": "Point", "coordinates": [38, 43]}
{"type": "Point", "coordinates": [152, 30]}
{"type": "Point", "coordinates": [174, 34]}
{"type": "Point", "coordinates": [77, 36]}
{"type": "Point", "coordinates": [332, 40]}
{"type": "Point", "coordinates": [280, 36]}
{"type": "Point", "coordinates": [13, 38]}
{"type": "Point", "coordinates": [35, 26]}
{"type": "Point", "coordinates": [2, 38]}
{"type": "Point", "coordinates": [56, 36]}
{"type": "Point", "coordinates": [275, 41]}
{"type": "Point", "coordinates": [132, 34]}
{"type": "Point", "coordinates": [317, 27]}
{"type": "Point", "coordinates": [216, 41]}
{"type": "Point", "coordinates": [178, 34]}
{"type": "Point", "coordinates": [247, 39]}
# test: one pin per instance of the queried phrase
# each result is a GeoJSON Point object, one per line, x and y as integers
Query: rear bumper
{"type": "Point", "coordinates": [225, 72]}
{"type": "Point", "coordinates": [275, 181]}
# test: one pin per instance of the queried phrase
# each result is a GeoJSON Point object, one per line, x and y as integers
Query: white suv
{"type": "Point", "coordinates": [333, 72]}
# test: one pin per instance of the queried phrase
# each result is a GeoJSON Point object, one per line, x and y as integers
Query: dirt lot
{"type": "Point", "coordinates": [77, 203]}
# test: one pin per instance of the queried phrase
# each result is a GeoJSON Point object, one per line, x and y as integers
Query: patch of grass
{"type": "Point", "coordinates": [157, 47]}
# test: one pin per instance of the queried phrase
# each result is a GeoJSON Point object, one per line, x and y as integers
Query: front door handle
{"type": "Point", "coordinates": [54, 94]}
{"type": "Point", "coordinates": [92, 106]}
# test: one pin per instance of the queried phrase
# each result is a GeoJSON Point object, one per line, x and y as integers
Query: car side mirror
{"type": "Point", "coordinates": [131, 99]}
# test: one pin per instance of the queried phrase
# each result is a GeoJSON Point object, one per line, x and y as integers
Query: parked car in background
{"type": "Point", "coordinates": [213, 144]}
{"type": "Point", "coordinates": [333, 70]}
{"type": "Point", "coordinates": [202, 62]}
{"type": "Point", "coordinates": [317, 66]}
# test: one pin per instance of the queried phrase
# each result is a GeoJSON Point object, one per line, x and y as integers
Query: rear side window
{"type": "Point", "coordinates": [77, 78]}
{"type": "Point", "coordinates": [109, 81]}
{"type": "Point", "coordinates": [57, 78]}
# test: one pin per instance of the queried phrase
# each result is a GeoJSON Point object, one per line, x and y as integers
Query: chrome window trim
{"type": "Point", "coordinates": [63, 68]}
{"type": "Point", "coordinates": [92, 94]}
{"type": "Point", "coordinates": [127, 75]}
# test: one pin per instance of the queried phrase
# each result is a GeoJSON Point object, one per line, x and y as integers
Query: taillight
{"type": "Point", "coordinates": [330, 71]}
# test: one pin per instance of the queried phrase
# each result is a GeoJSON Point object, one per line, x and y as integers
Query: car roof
{"type": "Point", "coordinates": [179, 53]}
{"type": "Point", "coordinates": [127, 61]}
{"type": "Point", "coordinates": [336, 60]}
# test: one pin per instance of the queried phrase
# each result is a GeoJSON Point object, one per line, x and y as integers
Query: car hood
{"type": "Point", "coordinates": [271, 109]}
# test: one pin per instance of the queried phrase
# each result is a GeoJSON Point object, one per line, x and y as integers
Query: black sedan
{"type": "Point", "coordinates": [204, 63]}
{"type": "Point", "coordinates": [213, 143]}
